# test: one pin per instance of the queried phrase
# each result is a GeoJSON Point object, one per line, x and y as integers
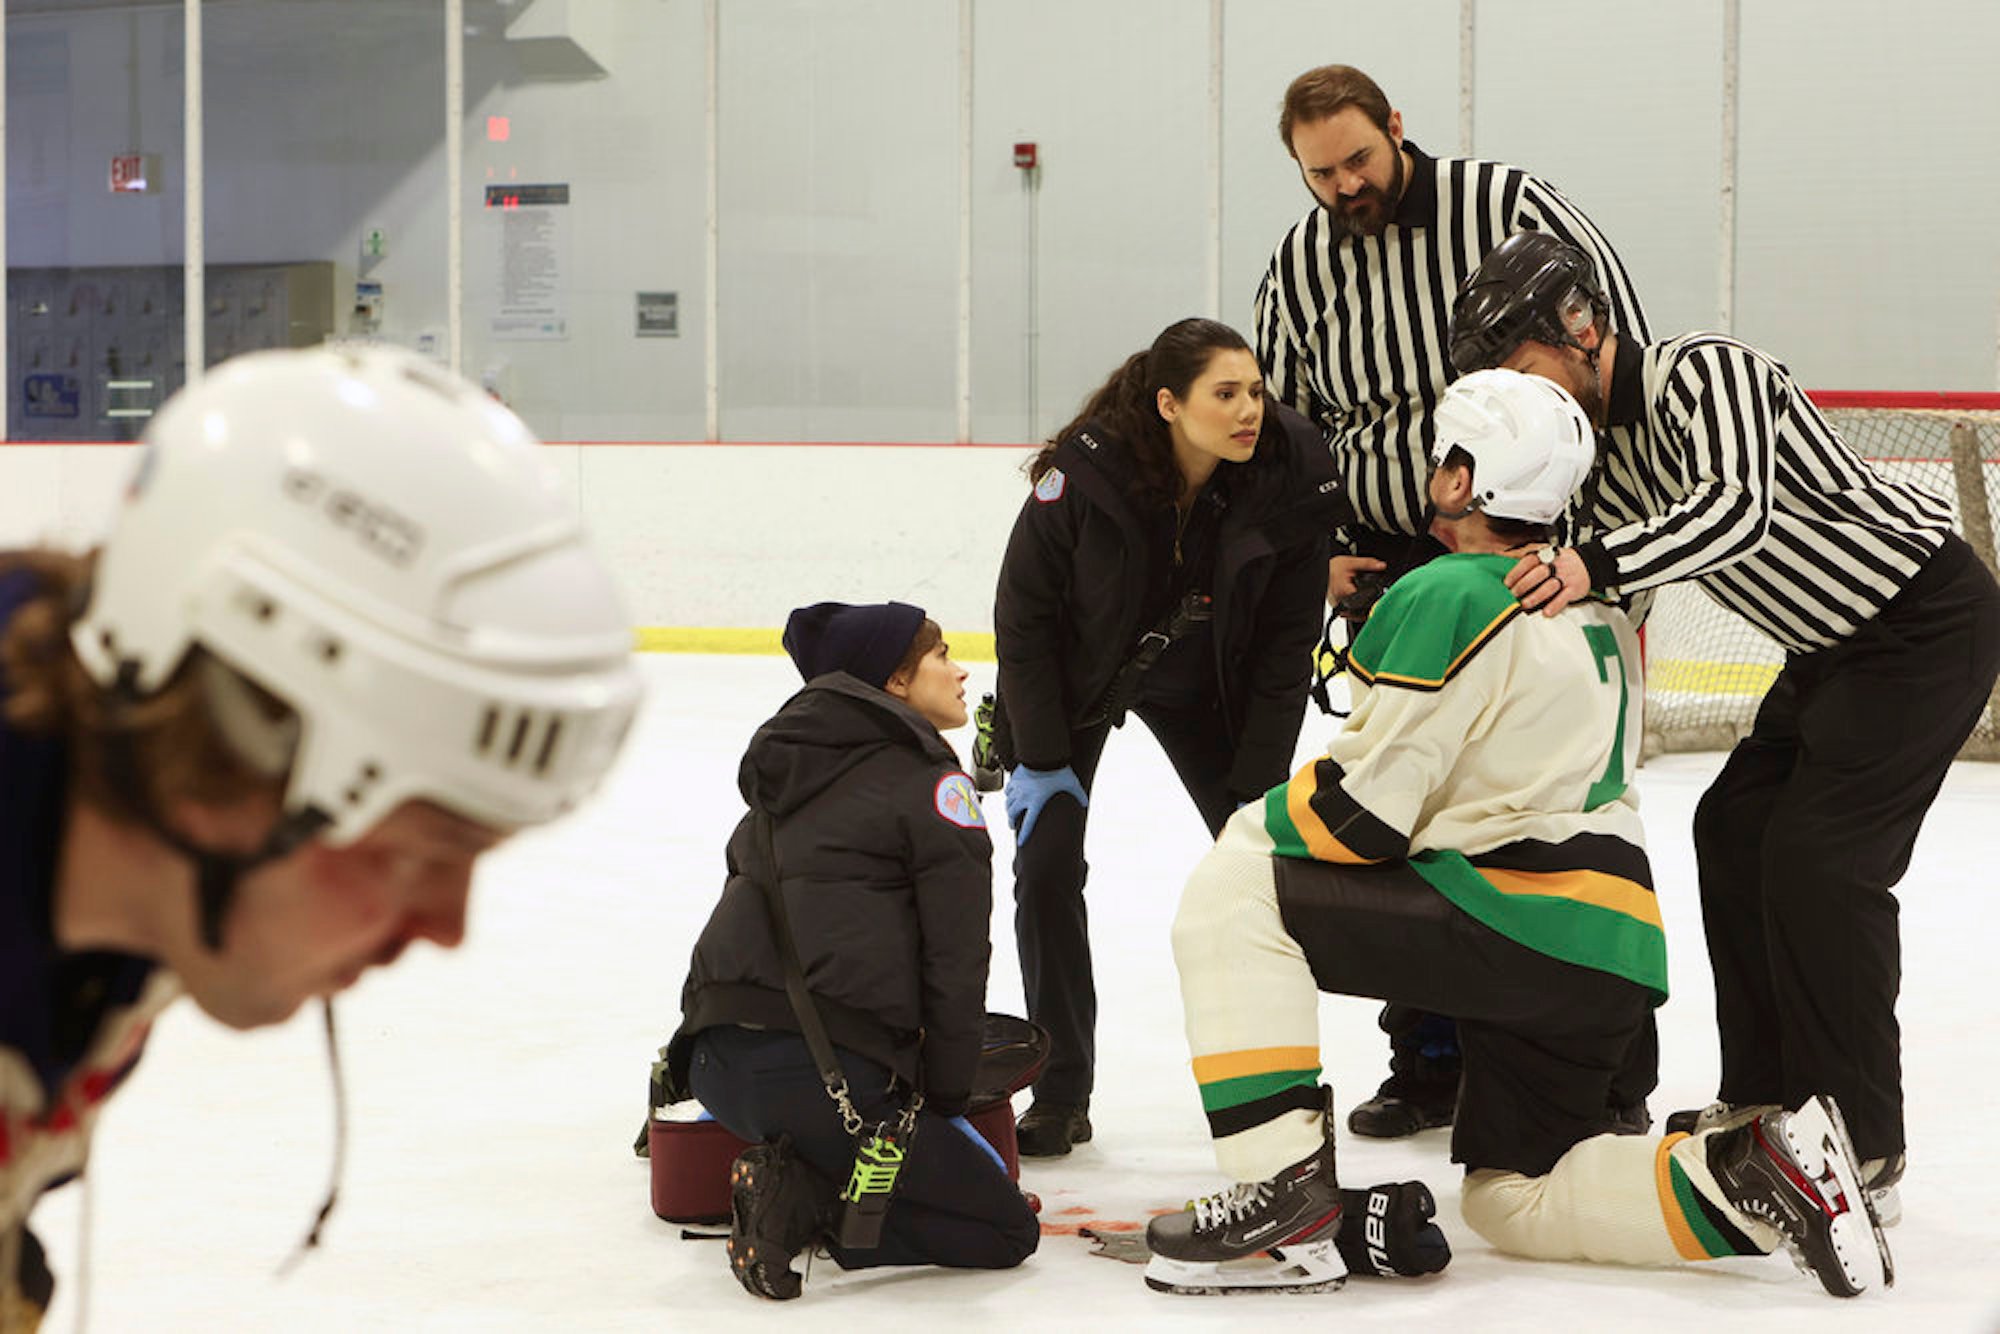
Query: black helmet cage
{"type": "Point", "coordinates": [1500, 306]}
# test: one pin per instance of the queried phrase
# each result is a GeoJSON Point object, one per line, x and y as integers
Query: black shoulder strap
{"type": "Point", "coordinates": [788, 953]}
{"type": "Point", "coordinates": [795, 973]}
{"type": "Point", "coordinates": [1193, 609]}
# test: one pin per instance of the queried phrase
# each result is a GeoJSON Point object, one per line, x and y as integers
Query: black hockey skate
{"type": "Point", "coordinates": [1258, 1236]}
{"type": "Point", "coordinates": [1797, 1172]}
{"type": "Point", "coordinates": [778, 1206]}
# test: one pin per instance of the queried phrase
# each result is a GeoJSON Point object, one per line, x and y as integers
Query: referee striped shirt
{"type": "Point", "coordinates": [1732, 478]}
{"type": "Point", "coordinates": [1352, 331]}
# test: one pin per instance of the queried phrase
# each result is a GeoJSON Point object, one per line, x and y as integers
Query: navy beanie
{"type": "Point", "coordinates": [865, 642]}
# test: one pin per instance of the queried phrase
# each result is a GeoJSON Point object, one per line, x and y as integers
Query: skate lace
{"type": "Point", "coordinates": [1228, 1206]}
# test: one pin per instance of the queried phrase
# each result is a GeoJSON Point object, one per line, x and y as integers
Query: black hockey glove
{"type": "Point", "coordinates": [1386, 1231]}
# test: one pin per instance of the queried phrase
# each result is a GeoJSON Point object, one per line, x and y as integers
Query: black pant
{"type": "Point", "coordinates": [1809, 825]}
{"type": "Point", "coordinates": [1051, 926]}
{"type": "Point", "coordinates": [954, 1205]}
{"type": "Point", "coordinates": [1545, 1042]}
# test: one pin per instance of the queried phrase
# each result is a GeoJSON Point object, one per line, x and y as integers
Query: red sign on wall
{"type": "Point", "coordinates": [131, 173]}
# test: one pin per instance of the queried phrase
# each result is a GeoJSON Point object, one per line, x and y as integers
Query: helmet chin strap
{"type": "Point", "coordinates": [216, 873]}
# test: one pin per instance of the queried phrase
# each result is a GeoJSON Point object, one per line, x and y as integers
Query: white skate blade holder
{"type": "Point", "coordinates": [1816, 1136]}
{"type": "Point", "coordinates": [1310, 1266]}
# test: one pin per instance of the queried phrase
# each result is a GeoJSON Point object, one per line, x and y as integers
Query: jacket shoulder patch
{"type": "Point", "coordinates": [958, 802]}
{"type": "Point", "coordinates": [1050, 488]}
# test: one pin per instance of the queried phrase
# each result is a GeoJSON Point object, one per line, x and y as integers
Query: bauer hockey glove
{"type": "Point", "coordinates": [1028, 790]}
{"type": "Point", "coordinates": [1386, 1231]}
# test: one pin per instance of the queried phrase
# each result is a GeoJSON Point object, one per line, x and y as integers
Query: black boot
{"type": "Point", "coordinates": [1048, 1129]}
{"type": "Point", "coordinates": [1422, 1088]}
{"type": "Point", "coordinates": [778, 1206]}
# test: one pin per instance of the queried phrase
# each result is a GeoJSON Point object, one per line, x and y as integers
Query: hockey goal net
{"type": "Point", "coordinates": [1706, 667]}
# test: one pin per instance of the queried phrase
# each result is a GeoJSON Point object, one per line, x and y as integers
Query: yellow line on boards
{"type": "Point", "coordinates": [1695, 677]}
{"type": "Point", "coordinates": [965, 646]}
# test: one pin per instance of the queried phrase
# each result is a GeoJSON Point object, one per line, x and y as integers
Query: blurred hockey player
{"type": "Point", "coordinates": [1470, 845]}
{"type": "Point", "coordinates": [344, 637]}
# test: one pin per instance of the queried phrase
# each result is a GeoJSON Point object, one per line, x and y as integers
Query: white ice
{"type": "Point", "coordinates": [494, 1094]}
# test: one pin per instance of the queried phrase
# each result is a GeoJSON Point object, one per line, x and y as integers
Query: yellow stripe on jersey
{"type": "Point", "coordinates": [1320, 842]}
{"type": "Point", "coordinates": [1593, 887]}
{"type": "Point", "coordinates": [1477, 642]}
{"type": "Point", "coordinates": [1685, 1242]}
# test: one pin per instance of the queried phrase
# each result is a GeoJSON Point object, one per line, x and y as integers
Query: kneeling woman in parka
{"type": "Point", "coordinates": [884, 870]}
{"type": "Point", "coordinates": [1170, 562]}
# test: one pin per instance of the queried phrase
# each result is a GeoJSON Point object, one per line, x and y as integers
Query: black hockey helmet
{"type": "Point", "coordinates": [1530, 286]}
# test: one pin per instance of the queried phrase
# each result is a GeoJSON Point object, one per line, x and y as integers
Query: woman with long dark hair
{"type": "Point", "coordinates": [1170, 563]}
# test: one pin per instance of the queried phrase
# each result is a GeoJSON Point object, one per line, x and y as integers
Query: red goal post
{"type": "Point", "coordinates": [1706, 668]}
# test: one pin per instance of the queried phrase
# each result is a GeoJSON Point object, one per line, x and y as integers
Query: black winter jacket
{"type": "Point", "coordinates": [887, 871]}
{"type": "Point", "coordinates": [1077, 569]}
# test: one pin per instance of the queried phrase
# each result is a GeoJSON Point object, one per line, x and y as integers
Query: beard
{"type": "Point", "coordinates": [1581, 379]}
{"type": "Point", "coordinates": [1368, 210]}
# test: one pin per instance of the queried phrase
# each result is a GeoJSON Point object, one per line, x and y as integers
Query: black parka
{"type": "Point", "coordinates": [1077, 569]}
{"type": "Point", "coordinates": [887, 871]}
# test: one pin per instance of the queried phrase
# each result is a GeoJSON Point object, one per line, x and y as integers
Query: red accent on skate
{"type": "Point", "coordinates": [1310, 1228]}
{"type": "Point", "coordinates": [1784, 1163]}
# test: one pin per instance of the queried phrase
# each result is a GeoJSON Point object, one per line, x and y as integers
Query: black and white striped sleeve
{"type": "Point", "coordinates": [1718, 415]}
{"type": "Point", "coordinates": [1281, 319]}
{"type": "Point", "coordinates": [1544, 208]}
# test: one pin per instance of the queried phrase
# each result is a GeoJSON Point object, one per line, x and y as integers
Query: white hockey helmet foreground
{"type": "Point", "coordinates": [1531, 444]}
{"type": "Point", "coordinates": [383, 548]}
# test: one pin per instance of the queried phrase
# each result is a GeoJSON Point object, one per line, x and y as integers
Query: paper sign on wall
{"type": "Point", "coordinates": [533, 239]}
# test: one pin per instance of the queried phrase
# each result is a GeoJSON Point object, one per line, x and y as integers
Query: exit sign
{"type": "Point", "coordinates": [134, 173]}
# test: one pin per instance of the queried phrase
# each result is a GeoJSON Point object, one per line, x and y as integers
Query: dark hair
{"type": "Point", "coordinates": [1327, 91]}
{"type": "Point", "coordinates": [179, 750]}
{"type": "Point", "coordinates": [1516, 531]}
{"type": "Point", "coordinates": [929, 635]}
{"type": "Point", "coordinates": [1127, 406]}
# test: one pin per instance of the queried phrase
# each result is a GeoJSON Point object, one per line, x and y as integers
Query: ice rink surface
{"type": "Point", "coordinates": [494, 1094]}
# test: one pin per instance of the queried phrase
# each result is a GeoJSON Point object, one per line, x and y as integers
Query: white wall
{"type": "Point", "coordinates": [700, 535]}
{"type": "Point", "coordinates": [1867, 258]}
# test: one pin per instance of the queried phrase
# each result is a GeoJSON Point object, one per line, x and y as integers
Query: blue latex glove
{"type": "Point", "coordinates": [967, 1129]}
{"type": "Point", "coordinates": [1028, 790]}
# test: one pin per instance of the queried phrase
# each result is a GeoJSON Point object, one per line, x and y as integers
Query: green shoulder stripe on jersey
{"type": "Point", "coordinates": [1432, 620]}
{"type": "Point", "coordinates": [1592, 918]}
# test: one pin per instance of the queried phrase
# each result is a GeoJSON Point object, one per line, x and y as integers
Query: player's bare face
{"type": "Point", "coordinates": [936, 689]}
{"type": "Point", "coordinates": [1568, 367]}
{"type": "Point", "coordinates": [1221, 416]}
{"type": "Point", "coordinates": [311, 923]}
{"type": "Point", "coordinates": [1352, 167]}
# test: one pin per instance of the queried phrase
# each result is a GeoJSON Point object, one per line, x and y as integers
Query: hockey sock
{"type": "Point", "coordinates": [1617, 1198]}
{"type": "Point", "coordinates": [1252, 1012]}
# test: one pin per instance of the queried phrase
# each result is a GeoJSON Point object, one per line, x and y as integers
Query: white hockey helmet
{"type": "Point", "coordinates": [383, 548]}
{"type": "Point", "coordinates": [1531, 444]}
